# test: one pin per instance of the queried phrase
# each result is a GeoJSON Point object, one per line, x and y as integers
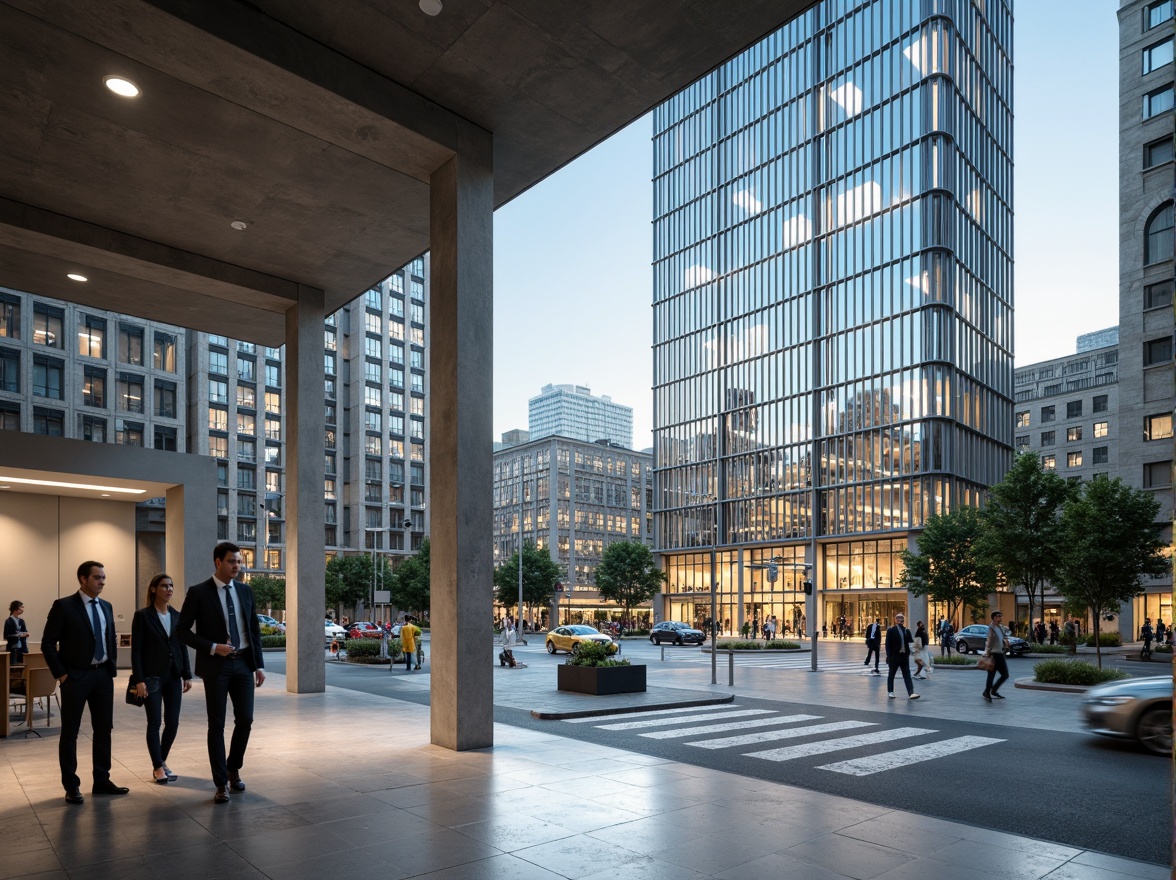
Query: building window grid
{"type": "Point", "coordinates": [776, 410]}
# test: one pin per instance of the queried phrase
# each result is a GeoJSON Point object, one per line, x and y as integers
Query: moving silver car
{"type": "Point", "coordinates": [1134, 708]}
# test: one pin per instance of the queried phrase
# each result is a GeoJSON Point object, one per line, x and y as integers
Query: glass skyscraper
{"type": "Point", "coordinates": [833, 312]}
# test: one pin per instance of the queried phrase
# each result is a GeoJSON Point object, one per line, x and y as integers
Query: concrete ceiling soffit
{"type": "Point", "coordinates": [138, 277]}
{"type": "Point", "coordinates": [236, 52]}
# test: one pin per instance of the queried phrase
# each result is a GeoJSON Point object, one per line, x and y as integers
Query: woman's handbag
{"type": "Point", "coordinates": [133, 699]}
{"type": "Point", "coordinates": [986, 663]}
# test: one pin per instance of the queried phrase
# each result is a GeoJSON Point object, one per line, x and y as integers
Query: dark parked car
{"type": "Point", "coordinates": [1138, 709]}
{"type": "Point", "coordinates": [676, 632]}
{"type": "Point", "coordinates": [971, 638]}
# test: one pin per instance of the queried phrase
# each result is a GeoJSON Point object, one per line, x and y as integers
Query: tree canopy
{"type": "Point", "coordinates": [540, 575]}
{"type": "Point", "coordinates": [410, 584]}
{"type": "Point", "coordinates": [349, 579]}
{"type": "Point", "coordinates": [628, 575]}
{"type": "Point", "coordinates": [1111, 542]}
{"type": "Point", "coordinates": [1022, 527]}
{"type": "Point", "coordinates": [947, 567]}
{"type": "Point", "coordinates": [269, 592]}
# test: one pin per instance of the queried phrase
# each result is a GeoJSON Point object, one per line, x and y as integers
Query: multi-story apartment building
{"type": "Point", "coordinates": [1067, 412]}
{"type": "Point", "coordinates": [67, 370]}
{"type": "Point", "coordinates": [572, 411]}
{"type": "Point", "coordinates": [1146, 177]}
{"type": "Point", "coordinates": [574, 499]}
{"type": "Point", "coordinates": [833, 233]}
{"type": "Point", "coordinates": [374, 353]}
{"type": "Point", "coordinates": [71, 371]}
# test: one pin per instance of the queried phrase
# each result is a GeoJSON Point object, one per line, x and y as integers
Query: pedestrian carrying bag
{"type": "Point", "coordinates": [133, 699]}
{"type": "Point", "coordinates": [986, 662]}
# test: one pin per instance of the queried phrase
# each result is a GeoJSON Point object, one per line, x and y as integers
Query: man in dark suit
{"type": "Point", "coordinates": [898, 656]}
{"type": "Point", "coordinates": [227, 640]}
{"type": "Point", "coordinates": [874, 643]}
{"type": "Point", "coordinates": [80, 650]}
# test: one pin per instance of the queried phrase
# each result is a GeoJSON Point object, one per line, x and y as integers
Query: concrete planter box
{"type": "Point", "coordinates": [600, 680]}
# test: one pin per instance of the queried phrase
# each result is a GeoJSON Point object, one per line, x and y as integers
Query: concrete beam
{"type": "Point", "coordinates": [138, 277]}
{"type": "Point", "coordinates": [461, 368]}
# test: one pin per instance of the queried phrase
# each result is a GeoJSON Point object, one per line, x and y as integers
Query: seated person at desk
{"type": "Point", "coordinates": [15, 632]}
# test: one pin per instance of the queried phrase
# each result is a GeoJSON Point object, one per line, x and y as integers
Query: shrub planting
{"type": "Point", "coordinates": [1074, 672]}
{"type": "Point", "coordinates": [593, 654]}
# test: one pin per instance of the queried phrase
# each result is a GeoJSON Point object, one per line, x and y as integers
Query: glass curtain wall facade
{"type": "Point", "coordinates": [832, 303]}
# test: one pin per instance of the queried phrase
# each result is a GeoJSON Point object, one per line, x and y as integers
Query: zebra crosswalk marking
{"type": "Point", "coordinates": [662, 722]}
{"type": "Point", "coordinates": [804, 662]}
{"type": "Point", "coordinates": [913, 755]}
{"type": "Point", "coordinates": [656, 712]}
{"type": "Point", "coordinates": [804, 750]}
{"type": "Point", "coordinates": [770, 735]}
{"type": "Point", "coordinates": [732, 725]}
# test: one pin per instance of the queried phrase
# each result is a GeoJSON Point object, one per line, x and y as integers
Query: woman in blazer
{"type": "Point", "coordinates": [160, 670]}
{"type": "Point", "coordinates": [15, 632]}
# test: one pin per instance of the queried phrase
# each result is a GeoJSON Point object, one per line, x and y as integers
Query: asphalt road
{"type": "Point", "coordinates": [1019, 770]}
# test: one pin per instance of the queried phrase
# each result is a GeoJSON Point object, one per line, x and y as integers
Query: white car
{"type": "Point", "coordinates": [333, 630]}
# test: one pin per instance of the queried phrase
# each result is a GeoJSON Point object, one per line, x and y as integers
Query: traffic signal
{"type": "Point", "coordinates": [773, 572]}
{"type": "Point", "coordinates": [808, 588]}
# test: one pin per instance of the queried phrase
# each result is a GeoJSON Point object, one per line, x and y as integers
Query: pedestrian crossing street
{"type": "Point", "coordinates": [697, 724]}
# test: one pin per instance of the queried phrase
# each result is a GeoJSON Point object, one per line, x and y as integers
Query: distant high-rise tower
{"type": "Point", "coordinates": [571, 411]}
{"type": "Point", "coordinates": [1146, 178]}
{"type": "Point", "coordinates": [833, 235]}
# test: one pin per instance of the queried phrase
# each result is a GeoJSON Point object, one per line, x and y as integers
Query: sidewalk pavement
{"type": "Point", "coordinates": [345, 781]}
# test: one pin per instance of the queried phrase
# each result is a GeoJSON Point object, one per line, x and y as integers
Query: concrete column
{"type": "Point", "coordinates": [305, 560]}
{"type": "Point", "coordinates": [190, 534]}
{"type": "Point", "coordinates": [461, 368]}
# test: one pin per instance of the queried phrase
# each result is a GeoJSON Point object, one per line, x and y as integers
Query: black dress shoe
{"type": "Point", "coordinates": [222, 795]}
{"type": "Point", "coordinates": [997, 696]}
{"type": "Point", "coordinates": [73, 796]}
{"type": "Point", "coordinates": [109, 787]}
{"type": "Point", "coordinates": [986, 696]}
{"type": "Point", "coordinates": [235, 781]}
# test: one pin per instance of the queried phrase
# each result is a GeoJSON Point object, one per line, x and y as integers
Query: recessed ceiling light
{"type": "Point", "coordinates": [122, 86]}
{"type": "Point", "coordinates": [63, 485]}
{"type": "Point", "coordinates": [239, 225]}
{"type": "Point", "coordinates": [430, 7]}
{"type": "Point", "coordinates": [74, 276]}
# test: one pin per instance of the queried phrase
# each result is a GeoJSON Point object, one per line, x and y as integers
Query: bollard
{"type": "Point", "coordinates": [731, 669]}
{"type": "Point", "coordinates": [663, 650]}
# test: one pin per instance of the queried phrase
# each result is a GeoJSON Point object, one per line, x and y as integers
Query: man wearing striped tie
{"type": "Point", "coordinates": [227, 640]}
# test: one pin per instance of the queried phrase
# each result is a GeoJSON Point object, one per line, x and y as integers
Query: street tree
{"type": "Point", "coordinates": [947, 567]}
{"type": "Point", "coordinates": [350, 579]}
{"type": "Point", "coordinates": [628, 575]}
{"type": "Point", "coordinates": [1022, 529]}
{"type": "Point", "coordinates": [1111, 543]}
{"type": "Point", "coordinates": [410, 584]}
{"type": "Point", "coordinates": [269, 592]}
{"type": "Point", "coordinates": [540, 575]}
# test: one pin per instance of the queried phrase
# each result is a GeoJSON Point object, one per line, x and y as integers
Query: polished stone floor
{"type": "Point", "coordinates": [346, 784]}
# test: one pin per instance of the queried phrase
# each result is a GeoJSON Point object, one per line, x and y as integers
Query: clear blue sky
{"type": "Point", "coordinates": [572, 278]}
